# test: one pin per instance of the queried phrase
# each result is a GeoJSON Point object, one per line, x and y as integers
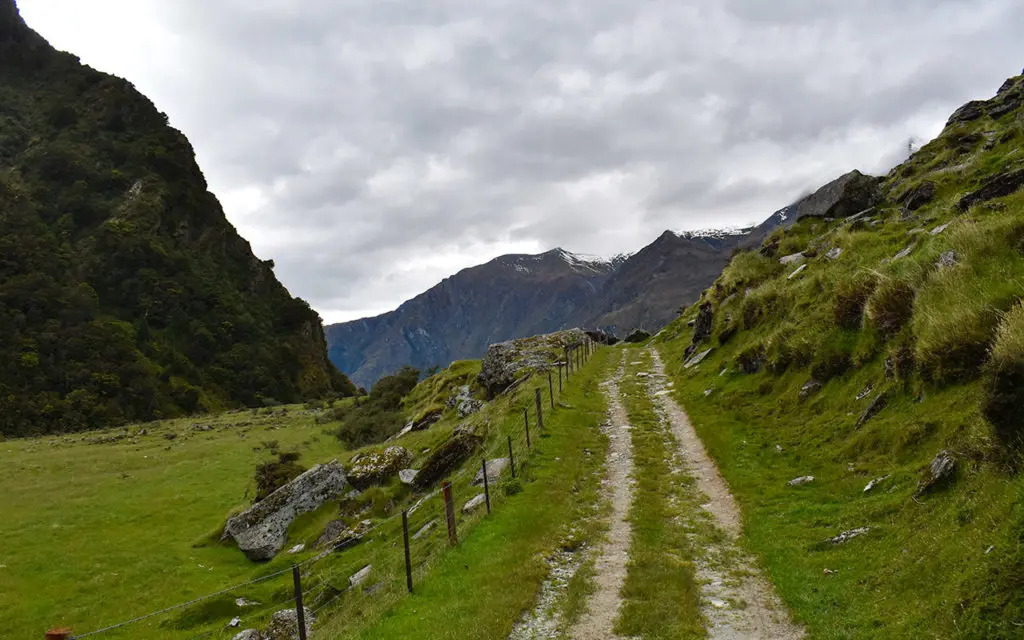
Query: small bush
{"type": "Point", "coordinates": [891, 306]}
{"type": "Point", "coordinates": [851, 297]}
{"type": "Point", "coordinates": [1004, 387]}
{"type": "Point", "coordinates": [271, 476]}
{"type": "Point", "coordinates": [767, 302]}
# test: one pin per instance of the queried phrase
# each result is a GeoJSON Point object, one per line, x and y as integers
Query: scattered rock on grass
{"type": "Point", "coordinates": [874, 483]}
{"type": "Point", "coordinates": [798, 271]}
{"type": "Point", "coordinates": [407, 476]}
{"type": "Point", "coordinates": [866, 392]}
{"type": "Point", "coordinates": [879, 403]}
{"type": "Point", "coordinates": [359, 577]}
{"type": "Point", "coordinates": [834, 253]}
{"type": "Point", "coordinates": [846, 536]}
{"type": "Point", "coordinates": [495, 468]}
{"type": "Point", "coordinates": [810, 388]}
{"type": "Point", "coordinates": [425, 529]}
{"type": "Point", "coordinates": [940, 471]}
{"type": "Point", "coordinates": [793, 258]}
{"type": "Point", "coordinates": [474, 503]}
{"type": "Point", "coordinates": [697, 359]}
{"type": "Point", "coordinates": [464, 402]}
{"type": "Point", "coordinates": [449, 455]}
{"type": "Point", "coordinates": [802, 480]}
{"type": "Point", "coordinates": [947, 259]}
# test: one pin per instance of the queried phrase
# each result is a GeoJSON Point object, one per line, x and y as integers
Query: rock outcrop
{"type": "Point", "coordinates": [453, 452]}
{"type": "Point", "coordinates": [464, 402]}
{"type": "Point", "coordinates": [637, 335]}
{"type": "Point", "coordinates": [843, 197]}
{"type": "Point", "coordinates": [495, 468]}
{"type": "Point", "coordinates": [506, 362]}
{"type": "Point", "coordinates": [261, 531]}
{"type": "Point", "coordinates": [378, 467]}
{"type": "Point", "coordinates": [997, 186]}
{"type": "Point", "coordinates": [284, 625]}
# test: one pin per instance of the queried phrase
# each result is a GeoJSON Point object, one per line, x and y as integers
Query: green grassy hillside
{"type": "Point", "coordinates": [918, 317]}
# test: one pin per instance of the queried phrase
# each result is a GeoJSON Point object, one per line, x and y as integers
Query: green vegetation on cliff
{"type": "Point", "coordinates": [125, 294]}
{"type": "Point", "coordinates": [901, 337]}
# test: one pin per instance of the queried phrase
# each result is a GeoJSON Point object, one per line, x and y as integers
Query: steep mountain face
{"type": "Point", "coordinates": [125, 294]}
{"type": "Point", "coordinates": [511, 296]}
{"type": "Point", "coordinates": [516, 296]}
{"type": "Point", "coordinates": [648, 288]}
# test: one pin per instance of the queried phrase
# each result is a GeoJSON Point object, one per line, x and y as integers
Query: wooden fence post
{"type": "Point", "coordinates": [58, 634]}
{"type": "Point", "coordinates": [300, 611]}
{"type": "Point", "coordinates": [449, 513]}
{"type": "Point", "coordinates": [560, 365]}
{"type": "Point", "coordinates": [511, 458]}
{"type": "Point", "coordinates": [540, 415]}
{"type": "Point", "coordinates": [526, 421]}
{"type": "Point", "coordinates": [487, 486]}
{"type": "Point", "coordinates": [551, 390]}
{"type": "Point", "coordinates": [408, 557]}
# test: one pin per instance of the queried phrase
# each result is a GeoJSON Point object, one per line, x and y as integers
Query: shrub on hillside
{"type": "Point", "coordinates": [770, 301]}
{"type": "Point", "coordinates": [1004, 388]}
{"type": "Point", "coordinates": [378, 415]}
{"type": "Point", "coordinates": [271, 476]}
{"type": "Point", "coordinates": [851, 297]}
{"type": "Point", "coordinates": [891, 306]}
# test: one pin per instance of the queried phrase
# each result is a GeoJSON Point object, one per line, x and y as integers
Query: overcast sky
{"type": "Point", "coordinates": [373, 147]}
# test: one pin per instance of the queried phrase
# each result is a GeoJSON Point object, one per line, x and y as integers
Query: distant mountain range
{"type": "Point", "coordinates": [515, 296]}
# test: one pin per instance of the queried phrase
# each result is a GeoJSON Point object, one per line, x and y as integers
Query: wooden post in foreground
{"type": "Point", "coordinates": [300, 611]}
{"type": "Point", "coordinates": [526, 421]}
{"type": "Point", "coordinates": [551, 390]}
{"type": "Point", "coordinates": [408, 558]}
{"type": "Point", "coordinates": [487, 486]}
{"type": "Point", "coordinates": [540, 415]}
{"type": "Point", "coordinates": [560, 378]}
{"type": "Point", "coordinates": [449, 513]}
{"type": "Point", "coordinates": [58, 634]}
{"type": "Point", "coordinates": [511, 458]}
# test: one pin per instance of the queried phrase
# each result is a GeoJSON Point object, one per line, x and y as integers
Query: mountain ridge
{"type": "Point", "coordinates": [518, 295]}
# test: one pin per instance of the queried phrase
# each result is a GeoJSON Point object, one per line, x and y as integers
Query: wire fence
{"type": "Point", "coordinates": [322, 572]}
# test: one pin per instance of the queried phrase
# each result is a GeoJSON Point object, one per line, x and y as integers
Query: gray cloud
{"type": "Point", "coordinates": [373, 147]}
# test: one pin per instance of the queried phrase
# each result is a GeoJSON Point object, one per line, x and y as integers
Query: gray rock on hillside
{"type": "Point", "coordinates": [495, 468]}
{"type": "Point", "coordinates": [464, 402]}
{"type": "Point", "coordinates": [447, 457]}
{"type": "Point", "coordinates": [841, 198]}
{"type": "Point", "coordinates": [940, 471]}
{"type": "Point", "coordinates": [997, 186]}
{"type": "Point", "coordinates": [284, 625]}
{"type": "Point", "coordinates": [918, 196]}
{"type": "Point", "coordinates": [637, 335]}
{"type": "Point", "coordinates": [505, 362]}
{"type": "Point", "coordinates": [261, 530]}
{"type": "Point", "coordinates": [378, 467]}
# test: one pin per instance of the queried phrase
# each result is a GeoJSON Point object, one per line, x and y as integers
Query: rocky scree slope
{"type": "Point", "coordinates": [515, 296]}
{"type": "Point", "coordinates": [125, 294]}
{"type": "Point", "coordinates": [858, 377]}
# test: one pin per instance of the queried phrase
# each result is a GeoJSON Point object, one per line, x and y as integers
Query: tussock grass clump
{"type": "Point", "coordinates": [891, 306]}
{"type": "Point", "coordinates": [958, 308]}
{"type": "Point", "coordinates": [770, 301]}
{"type": "Point", "coordinates": [1004, 389]}
{"type": "Point", "coordinates": [850, 298]}
{"type": "Point", "coordinates": [748, 269]}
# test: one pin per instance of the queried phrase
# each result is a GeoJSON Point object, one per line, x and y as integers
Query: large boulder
{"type": "Point", "coordinates": [506, 362]}
{"type": "Point", "coordinates": [261, 530]}
{"type": "Point", "coordinates": [447, 457]}
{"type": "Point", "coordinates": [970, 111]}
{"type": "Point", "coordinates": [378, 467]}
{"type": "Point", "coordinates": [918, 196]}
{"type": "Point", "coordinates": [843, 197]}
{"type": "Point", "coordinates": [602, 337]}
{"type": "Point", "coordinates": [637, 335]}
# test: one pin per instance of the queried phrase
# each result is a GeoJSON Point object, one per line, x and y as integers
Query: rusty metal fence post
{"type": "Point", "coordinates": [449, 513]}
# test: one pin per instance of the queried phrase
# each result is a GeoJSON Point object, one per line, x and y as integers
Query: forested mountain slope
{"type": "Point", "coordinates": [125, 294]}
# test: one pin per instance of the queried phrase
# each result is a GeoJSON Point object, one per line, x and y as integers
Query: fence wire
{"type": "Point", "coordinates": [517, 433]}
